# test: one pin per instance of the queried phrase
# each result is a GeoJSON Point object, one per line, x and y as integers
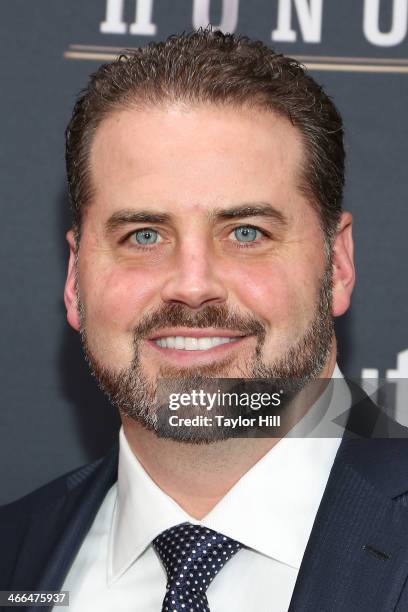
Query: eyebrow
{"type": "Point", "coordinates": [261, 209]}
{"type": "Point", "coordinates": [121, 217]}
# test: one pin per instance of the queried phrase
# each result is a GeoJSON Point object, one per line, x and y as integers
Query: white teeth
{"type": "Point", "coordinates": [192, 344]}
{"type": "Point", "coordinates": [171, 342]}
{"type": "Point", "coordinates": [204, 344]}
{"type": "Point", "coordinates": [216, 341]}
{"type": "Point", "coordinates": [179, 342]}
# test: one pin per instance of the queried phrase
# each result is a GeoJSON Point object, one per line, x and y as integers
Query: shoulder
{"type": "Point", "coordinates": [52, 491]}
{"type": "Point", "coordinates": [31, 525]}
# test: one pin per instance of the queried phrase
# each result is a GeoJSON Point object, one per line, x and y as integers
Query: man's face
{"type": "Point", "coordinates": [199, 254]}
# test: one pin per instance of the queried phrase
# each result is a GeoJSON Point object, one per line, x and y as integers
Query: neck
{"type": "Point", "coordinates": [198, 476]}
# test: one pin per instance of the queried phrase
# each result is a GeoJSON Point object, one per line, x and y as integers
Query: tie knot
{"type": "Point", "coordinates": [193, 555]}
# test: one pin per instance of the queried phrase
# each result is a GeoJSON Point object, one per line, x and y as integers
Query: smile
{"type": "Point", "coordinates": [189, 343]}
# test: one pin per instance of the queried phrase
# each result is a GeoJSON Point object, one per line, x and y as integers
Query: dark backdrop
{"type": "Point", "coordinates": [52, 417]}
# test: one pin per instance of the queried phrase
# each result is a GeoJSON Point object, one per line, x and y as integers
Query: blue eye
{"type": "Point", "coordinates": [245, 233]}
{"type": "Point", "coordinates": [146, 236]}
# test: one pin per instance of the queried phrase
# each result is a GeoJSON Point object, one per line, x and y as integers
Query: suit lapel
{"type": "Point", "coordinates": [357, 555]}
{"type": "Point", "coordinates": [55, 534]}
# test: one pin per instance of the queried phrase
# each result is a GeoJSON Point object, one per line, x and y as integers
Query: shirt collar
{"type": "Point", "coordinates": [142, 511]}
{"type": "Point", "coordinates": [271, 509]}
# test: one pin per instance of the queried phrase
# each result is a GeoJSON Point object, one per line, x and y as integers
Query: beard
{"type": "Point", "coordinates": [135, 395]}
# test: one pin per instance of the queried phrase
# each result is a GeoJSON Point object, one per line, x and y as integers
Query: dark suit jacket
{"type": "Point", "coordinates": [356, 559]}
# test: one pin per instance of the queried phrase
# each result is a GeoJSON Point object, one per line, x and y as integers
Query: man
{"type": "Point", "coordinates": [209, 241]}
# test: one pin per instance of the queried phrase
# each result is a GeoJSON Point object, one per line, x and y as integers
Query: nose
{"type": "Point", "coordinates": [194, 280]}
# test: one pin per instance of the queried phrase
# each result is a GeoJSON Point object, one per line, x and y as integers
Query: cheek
{"type": "Point", "coordinates": [119, 296]}
{"type": "Point", "coordinates": [114, 301]}
{"type": "Point", "coordinates": [275, 292]}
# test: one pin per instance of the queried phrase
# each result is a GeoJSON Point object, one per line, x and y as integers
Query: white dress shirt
{"type": "Point", "coordinates": [270, 510]}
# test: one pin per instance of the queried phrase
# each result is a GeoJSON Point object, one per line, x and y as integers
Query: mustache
{"type": "Point", "coordinates": [217, 316]}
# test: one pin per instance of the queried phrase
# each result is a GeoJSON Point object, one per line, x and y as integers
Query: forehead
{"type": "Point", "coordinates": [192, 159]}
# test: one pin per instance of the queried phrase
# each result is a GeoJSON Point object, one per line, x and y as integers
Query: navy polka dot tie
{"type": "Point", "coordinates": [192, 555]}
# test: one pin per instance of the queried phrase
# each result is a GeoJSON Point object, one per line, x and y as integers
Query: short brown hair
{"type": "Point", "coordinates": [207, 66]}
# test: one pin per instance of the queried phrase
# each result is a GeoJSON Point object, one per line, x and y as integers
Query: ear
{"type": "Point", "coordinates": [70, 297]}
{"type": "Point", "coordinates": [343, 265]}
